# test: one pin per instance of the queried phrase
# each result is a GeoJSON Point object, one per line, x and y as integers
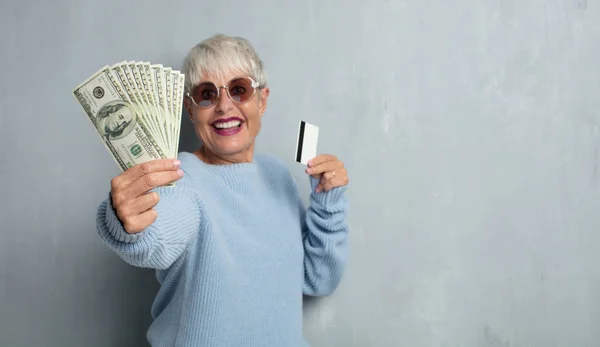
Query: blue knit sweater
{"type": "Point", "coordinates": [234, 249]}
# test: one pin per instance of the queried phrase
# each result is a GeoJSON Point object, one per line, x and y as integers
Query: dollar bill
{"type": "Point", "coordinates": [168, 85]}
{"type": "Point", "coordinates": [156, 118]}
{"type": "Point", "coordinates": [179, 96]}
{"type": "Point", "coordinates": [146, 77]}
{"type": "Point", "coordinates": [124, 77]}
{"type": "Point", "coordinates": [159, 89]}
{"type": "Point", "coordinates": [135, 107]}
{"type": "Point", "coordinates": [176, 103]}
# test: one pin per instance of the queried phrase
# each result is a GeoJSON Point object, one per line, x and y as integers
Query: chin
{"type": "Point", "coordinates": [233, 147]}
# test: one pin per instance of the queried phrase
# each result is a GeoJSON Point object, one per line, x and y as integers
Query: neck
{"type": "Point", "coordinates": [211, 158]}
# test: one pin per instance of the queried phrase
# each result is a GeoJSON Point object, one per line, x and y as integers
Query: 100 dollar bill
{"type": "Point", "coordinates": [117, 119]}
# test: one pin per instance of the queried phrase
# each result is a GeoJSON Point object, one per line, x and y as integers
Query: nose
{"type": "Point", "coordinates": [224, 103]}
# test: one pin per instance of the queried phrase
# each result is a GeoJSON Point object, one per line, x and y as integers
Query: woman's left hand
{"type": "Point", "coordinates": [330, 170]}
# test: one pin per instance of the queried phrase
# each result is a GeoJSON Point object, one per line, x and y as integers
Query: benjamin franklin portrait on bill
{"type": "Point", "coordinates": [115, 120]}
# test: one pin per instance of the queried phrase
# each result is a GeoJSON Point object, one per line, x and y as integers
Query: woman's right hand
{"type": "Point", "coordinates": [131, 196]}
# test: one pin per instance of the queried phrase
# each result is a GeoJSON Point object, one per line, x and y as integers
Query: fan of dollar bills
{"type": "Point", "coordinates": [136, 109]}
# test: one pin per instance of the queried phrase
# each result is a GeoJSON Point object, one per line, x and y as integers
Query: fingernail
{"type": "Point", "coordinates": [180, 173]}
{"type": "Point", "coordinates": [177, 162]}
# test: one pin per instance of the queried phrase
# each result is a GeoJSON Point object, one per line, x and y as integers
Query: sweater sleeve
{"type": "Point", "coordinates": [325, 240]}
{"type": "Point", "coordinates": [161, 243]}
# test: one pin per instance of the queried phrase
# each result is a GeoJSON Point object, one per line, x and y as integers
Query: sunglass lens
{"type": "Point", "coordinates": [240, 89]}
{"type": "Point", "coordinates": [205, 94]}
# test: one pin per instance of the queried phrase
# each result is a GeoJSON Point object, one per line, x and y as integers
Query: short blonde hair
{"type": "Point", "coordinates": [221, 54]}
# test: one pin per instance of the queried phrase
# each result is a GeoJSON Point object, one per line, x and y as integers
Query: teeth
{"type": "Point", "coordinates": [231, 124]}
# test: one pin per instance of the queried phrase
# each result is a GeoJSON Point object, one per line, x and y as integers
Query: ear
{"type": "Point", "coordinates": [264, 96]}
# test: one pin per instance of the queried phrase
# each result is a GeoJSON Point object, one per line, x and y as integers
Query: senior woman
{"type": "Point", "coordinates": [233, 245]}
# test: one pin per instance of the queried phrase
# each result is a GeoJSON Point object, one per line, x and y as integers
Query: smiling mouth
{"type": "Point", "coordinates": [229, 123]}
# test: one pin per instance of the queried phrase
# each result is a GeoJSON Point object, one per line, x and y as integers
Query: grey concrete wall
{"type": "Point", "coordinates": [470, 130]}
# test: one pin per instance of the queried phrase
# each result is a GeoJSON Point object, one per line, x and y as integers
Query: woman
{"type": "Point", "coordinates": [233, 245]}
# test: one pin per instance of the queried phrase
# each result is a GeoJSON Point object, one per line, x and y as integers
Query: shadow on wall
{"type": "Point", "coordinates": [188, 141]}
{"type": "Point", "coordinates": [122, 314]}
{"type": "Point", "coordinates": [310, 302]}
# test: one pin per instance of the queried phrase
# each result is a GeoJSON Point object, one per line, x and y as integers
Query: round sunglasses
{"type": "Point", "coordinates": [239, 89]}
